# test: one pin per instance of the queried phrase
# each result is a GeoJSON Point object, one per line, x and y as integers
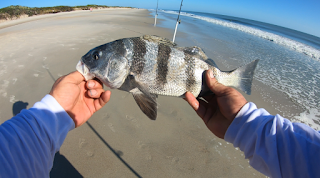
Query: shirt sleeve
{"type": "Point", "coordinates": [30, 139]}
{"type": "Point", "coordinates": [275, 146]}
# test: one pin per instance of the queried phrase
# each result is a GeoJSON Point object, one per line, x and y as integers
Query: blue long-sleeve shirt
{"type": "Point", "coordinates": [275, 146]}
{"type": "Point", "coordinates": [29, 140]}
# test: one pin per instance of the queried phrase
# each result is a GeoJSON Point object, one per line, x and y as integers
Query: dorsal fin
{"type": "Point", "coordinates": [158, 39]}
{"type": "Point", "coordinates": [194, 51]}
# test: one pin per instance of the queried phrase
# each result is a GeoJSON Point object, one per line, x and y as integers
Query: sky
{"type": "Point", "coordinates": [300, 15]}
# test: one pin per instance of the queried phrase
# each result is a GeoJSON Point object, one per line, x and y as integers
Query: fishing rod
{"type": "Point", "coordinates": [155, 18]}
{"type": "Point", "coordinates": [178, 22]}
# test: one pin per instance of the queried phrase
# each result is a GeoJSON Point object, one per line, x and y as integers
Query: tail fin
{"type": "Point", "coordinates": [241, 77]}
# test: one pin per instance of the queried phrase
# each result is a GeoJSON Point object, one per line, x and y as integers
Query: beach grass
{"type": "Point", "coordinates": [15, 12]}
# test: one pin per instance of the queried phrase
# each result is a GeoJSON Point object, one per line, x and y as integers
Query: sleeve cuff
{"type": "Point", "coordinates": [50, 103]}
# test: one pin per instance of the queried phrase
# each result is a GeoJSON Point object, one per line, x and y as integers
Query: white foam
{"type": "Point", "coordinates": [293, 45]}
{"type": "Point", "coordinates": [310, 117]}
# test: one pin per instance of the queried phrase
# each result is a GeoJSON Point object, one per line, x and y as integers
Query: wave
{"type": "Point", "coordinates": [289, 43]}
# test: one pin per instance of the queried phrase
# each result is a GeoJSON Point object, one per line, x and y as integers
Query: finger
{"type": "Point", "coordinates": [95, 93]}
{"type": "Point", "coordinates": [76, 77]}
{"type": "Point", "coordinates": [93, 84]}
{"type": "Point", "coordinates": [104, 98]}
{"type": "Point", "coordinates": [202, 110]}
{"type": "Point", "coordinates": [193, 102]}
{"type": "Point", "coordinates": [216, 87]}
{"type": "Point", "coordinates": [198, 105]}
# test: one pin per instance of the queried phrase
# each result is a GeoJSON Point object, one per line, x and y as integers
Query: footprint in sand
{"type": "Point", "coordinates": [110, 125]}
{"type": "Point", "coordinates": [175, 160]}
{"type": "Point", "coordinates": [141, 145]}
{"type": "Point", "coordinates": [133, 120]}
{"type": "Point", "coordinates": [90, 153]}
{"type": "Point", "coordinates": [148, 157]}
{"type": "Point", "coordinates": [125, 95]}
{"type": "Point", "coordinates": [14, 80]}
{"type": "Point", "coordinates": [12, 99]}
{"type": "Point", "coordinates": [203, 149]}
{"type": "Point", "coordinates": [3, 91]}
{"type": "Point", "coordinates": [105, 117]}
{"type": "Point", "coordinates": [174, 113]}
{"type": "Point", "coordinates": [82, 142]}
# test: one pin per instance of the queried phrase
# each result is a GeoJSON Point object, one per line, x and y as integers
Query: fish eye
{"type": "Point", "coordinates": [96, 55]}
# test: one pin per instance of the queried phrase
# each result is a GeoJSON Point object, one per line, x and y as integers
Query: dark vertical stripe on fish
{"type": "Point", "coordinates": [162, 63]}
{"type": "Point", "coordinates": [190, 66]}
{"type": "Point", "coordinates": [139, 50]}
{"type": "Point", "coordinates": [118, 47]}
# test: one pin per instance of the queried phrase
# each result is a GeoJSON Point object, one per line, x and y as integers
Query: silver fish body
{"type": "Point", "coordinates": [149, 66]}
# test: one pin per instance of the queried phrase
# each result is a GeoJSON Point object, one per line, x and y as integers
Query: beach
{"type": "Point", "coordinates": [119, 140]}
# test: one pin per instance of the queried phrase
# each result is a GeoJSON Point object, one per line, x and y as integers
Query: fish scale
{"type": "Point", "coordinates": [149, 66]}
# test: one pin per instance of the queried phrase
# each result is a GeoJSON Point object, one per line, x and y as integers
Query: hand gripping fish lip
{"type": "Point", "coordinates": [84, 70]}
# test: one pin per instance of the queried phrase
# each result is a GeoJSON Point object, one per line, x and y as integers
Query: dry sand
{"type": "Point", "coordinates": [119, 140]}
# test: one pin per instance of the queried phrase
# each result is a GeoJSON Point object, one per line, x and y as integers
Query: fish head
{"type": "Point", "coordinates": [105, 64]}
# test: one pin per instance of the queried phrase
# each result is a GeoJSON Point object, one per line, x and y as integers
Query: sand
{"type": "Point", "coordinates": [119, 140]}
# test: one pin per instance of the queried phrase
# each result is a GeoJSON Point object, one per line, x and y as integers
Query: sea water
{"type": "Point", "coordinates": [289, 60]}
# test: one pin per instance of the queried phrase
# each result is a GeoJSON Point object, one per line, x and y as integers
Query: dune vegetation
{"type": "Point", "coordinates": [15, 12]}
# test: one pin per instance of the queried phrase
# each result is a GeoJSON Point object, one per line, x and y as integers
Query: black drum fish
{"type": "Point", "coordinates": [149, 66]}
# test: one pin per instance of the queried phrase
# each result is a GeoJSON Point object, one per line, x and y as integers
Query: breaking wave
{"type": "Point", "coordinates": [289, 43]}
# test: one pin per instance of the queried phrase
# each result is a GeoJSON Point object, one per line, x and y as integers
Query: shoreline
{"type": "Point", "coordinates": [264, 96]}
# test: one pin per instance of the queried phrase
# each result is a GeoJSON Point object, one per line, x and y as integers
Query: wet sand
{"type": "Point", "coordinates": [119, 140]}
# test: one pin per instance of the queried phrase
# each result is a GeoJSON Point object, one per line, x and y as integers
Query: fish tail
{"type": "Point", "coordinates": [241, 77]}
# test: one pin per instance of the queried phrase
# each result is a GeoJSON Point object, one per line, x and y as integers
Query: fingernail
{"type": "Point", "coordinates": [196, 106]}
{"type": "Point", "coordinates": [211, 73]}
{"type": "Point", "coordinates": [91, 84]}
{"type": "Point", "coordinates": [93, 92]}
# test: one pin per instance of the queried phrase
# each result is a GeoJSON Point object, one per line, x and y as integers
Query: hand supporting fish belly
{"type": "Point", "coordinates": [149, 66]}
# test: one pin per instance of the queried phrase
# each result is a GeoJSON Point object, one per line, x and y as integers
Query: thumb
{"type": "Point", "coordinates": [76, 77]}
{"type": "Point", "coordinates": [216, 87]}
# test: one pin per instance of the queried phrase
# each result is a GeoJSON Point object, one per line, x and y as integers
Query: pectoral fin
{"type": "Point", "coordinates": [147, 102]}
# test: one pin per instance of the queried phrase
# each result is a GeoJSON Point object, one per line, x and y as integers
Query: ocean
{"type": "Point", "coordinates": [289, 60]}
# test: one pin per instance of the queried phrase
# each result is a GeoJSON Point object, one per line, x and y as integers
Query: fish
{"type": "Point", "coordinates": [149, 65]}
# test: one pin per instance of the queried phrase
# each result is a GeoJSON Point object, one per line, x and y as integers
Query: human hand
{"type": "Point", "coordinates": [80, 99]}
{"type": "Point", "coordinates": [218, 110]}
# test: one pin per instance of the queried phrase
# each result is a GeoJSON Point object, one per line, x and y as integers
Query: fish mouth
{"type": "Point", "coordinates": [84, 70]}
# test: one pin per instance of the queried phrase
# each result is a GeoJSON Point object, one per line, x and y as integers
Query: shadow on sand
{"type": "Point", "coordinates": [62, 168]}
{"type": "Point", "coordinates": [18, 106]}
{"type": "Point", "coordinates": [116, 153]}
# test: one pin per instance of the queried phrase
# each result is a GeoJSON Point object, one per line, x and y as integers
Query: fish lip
{"type": "Point", "coordinates": [84, 71]}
